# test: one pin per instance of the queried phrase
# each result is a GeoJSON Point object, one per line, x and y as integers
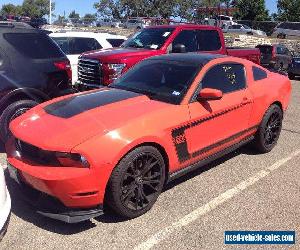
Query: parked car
{"type": "Point", "coordinates": [32, 69]}
{"type": "Point", "coordinates": [294, 68]}
{"type": "Point", "coordinates": [276, 56]}
{"type": "Point", "coordinates": [243, 29]}
{"type": "Point", "coordinates": [75, 43]}
{"type": "Point", "coordinates": [220, 21]}
{"type": "Point", "coordinates": [5, 205]}
{"type": "Point", "coordinates": [136, 23]}
{"type": "Point", "coordinates": [114, 23]}
{"type": "Point", "coordinates": [110, 148]}
{"type": "Point", "coordinates": [287, 30]}
{"type": "Point", "coordinates": [104, 66]}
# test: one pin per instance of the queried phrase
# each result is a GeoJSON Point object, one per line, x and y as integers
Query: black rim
{"type": "Point", "coordinates": [142, 181]}
{"type": "Point", "coordinates": [19, 112]}
{"type": "Point", "coordinates": [273, 129]}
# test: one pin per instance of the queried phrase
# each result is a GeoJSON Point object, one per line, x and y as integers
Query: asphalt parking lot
{"type": "Point", "coordinates": [242, 191]}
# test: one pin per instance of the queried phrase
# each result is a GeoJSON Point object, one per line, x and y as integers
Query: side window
{"type": "Point", "coordinates": [188, 39]}
{"type": "Point", "coordinates": [80, 45]}
{"type": "Point", "coordinates": [259, 74]}
{"type": "Point", "coordinates": [208, 40]}
{"type": "Point", "coordinates": [225, 77]}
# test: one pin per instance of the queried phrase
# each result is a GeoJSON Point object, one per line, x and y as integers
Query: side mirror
{"type": "Point", "coordinates": [209, 94]}
{"type": "Point", "coordinates": [179, 48]}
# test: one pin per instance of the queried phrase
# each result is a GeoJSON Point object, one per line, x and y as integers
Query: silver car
{"type": "Point", "coordinates": [243, 29]}
{"type": "Point", "coordinates": [287, 30]}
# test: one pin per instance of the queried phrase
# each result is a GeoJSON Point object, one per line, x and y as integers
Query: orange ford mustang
{"type": "Point", "coordinates": [120, 145]}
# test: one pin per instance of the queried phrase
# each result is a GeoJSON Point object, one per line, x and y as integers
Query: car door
{"type": "Point", "coordinates": [219, 123]}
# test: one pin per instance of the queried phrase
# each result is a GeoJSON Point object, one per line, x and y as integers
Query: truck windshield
{"type": "Point", "coordinates": [151, 38]}
{"type": "Point", "coordinates": [166, 81]}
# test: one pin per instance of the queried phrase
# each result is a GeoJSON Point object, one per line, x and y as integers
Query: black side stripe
{"type": "Point", "coordinates": [180, 142]}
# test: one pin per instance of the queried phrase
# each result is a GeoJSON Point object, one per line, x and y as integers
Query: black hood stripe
{"type": "Point", "coordinates": [75, 105]}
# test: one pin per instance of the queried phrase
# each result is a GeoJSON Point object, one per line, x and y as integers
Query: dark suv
{"type": "Point", "coordinates": [276, 56]}
{"type": "Point", "coordinates": [33, 69]}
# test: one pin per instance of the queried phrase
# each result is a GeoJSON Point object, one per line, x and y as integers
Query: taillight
{"type": "Point", "coordinates": [65, 66]}
{"type": "Point", "coordinates": [72, 160]}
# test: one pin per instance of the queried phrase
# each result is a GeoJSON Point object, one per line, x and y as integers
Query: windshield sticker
{"type": "Point", "coordinates": [153, 46]}
{"type": "Point", "coordinates": [176, 93]}
{"type": "Point", "coordinates": [166, 34]}
{"type": "Point", "coordinates": [230, 74]}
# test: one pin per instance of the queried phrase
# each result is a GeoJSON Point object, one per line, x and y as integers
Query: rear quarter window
{"type": "Point", "coordinates": [34, 45]}
{"type": "Point", "coordinates": [208, 40]}
{"type": "Point", "coordinates": [259, 74]}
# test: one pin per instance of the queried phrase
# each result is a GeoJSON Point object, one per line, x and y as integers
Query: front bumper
{"type": "Point", "coordinates": [51, 207]}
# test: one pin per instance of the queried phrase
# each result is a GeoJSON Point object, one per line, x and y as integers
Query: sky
{"type": "Point", "coordinates": [86, 6]}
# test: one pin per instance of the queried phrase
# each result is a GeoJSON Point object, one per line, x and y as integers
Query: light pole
{"type": "Point", "coordinates": [50, 12]}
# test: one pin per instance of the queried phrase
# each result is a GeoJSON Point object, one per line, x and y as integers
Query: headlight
{"type": "Point", "coordinates": [115, 70]}
{"type": "Point", "coordinates": [72, 160]}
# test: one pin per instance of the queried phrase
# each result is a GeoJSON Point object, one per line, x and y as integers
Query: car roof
{"type": "Point", "coordinates": [86, 34]}
{"type": "Point", "coordinates": [195, 58]}
{"type": "Point", "coordinates": [183, 26]}
{"type": "Point", "coordinates": [14, 25]}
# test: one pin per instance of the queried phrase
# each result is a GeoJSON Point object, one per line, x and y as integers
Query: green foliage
{"type": "Point", "coordinates": [254, 10]}
{"type": "Point", "coordinates": [288, 10]}
{"type": "Point", "coordinates": [36, 8]}
{"type": "Point", "coordinates": [11, 9]}
{"type": "Point", "coordinates": [89, 18]}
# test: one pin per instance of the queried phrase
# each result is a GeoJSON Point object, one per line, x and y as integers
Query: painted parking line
{"type": "Point", "coordinates": [214, 203]}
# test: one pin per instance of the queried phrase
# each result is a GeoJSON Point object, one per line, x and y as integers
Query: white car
{"type": "Point", "coordinates": [73, 44]}
{"type": "Point", "coordinates": [243, 29]}
{"type": "Point", "coordinates": [220, 21]}
{"type": "Point", "coordinates": [5, 205]}
{"type": "Point", "coordinates": [136, 23]}
{"type": "Point", "coordinates": [287, 30]}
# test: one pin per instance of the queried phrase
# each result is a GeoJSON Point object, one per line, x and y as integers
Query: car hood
{"type": "Point", "coordinates": [62, 124]}
{"type": "Point", "coordinates": [118, 54]}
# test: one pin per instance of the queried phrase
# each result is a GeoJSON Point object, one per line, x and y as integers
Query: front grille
{"type": "Point", "coordinates": [89, 72]}
{"type": "Point", "coordinates": [35, 154]}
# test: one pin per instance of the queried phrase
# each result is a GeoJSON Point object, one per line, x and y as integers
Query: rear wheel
{"type": "Point", "coordinates": [11, 112]}
{"type": "Point", "coordinates": [136, 182]}
{"type": "Point", "coordinates": [269, 130]}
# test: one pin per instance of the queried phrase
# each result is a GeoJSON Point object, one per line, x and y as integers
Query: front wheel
{"type": "Point", "coordinates": [11, 112]}
{"type": "Point", "coordinates": [136, 182]}
{"type": "Point", "coordinates": [269, 130]}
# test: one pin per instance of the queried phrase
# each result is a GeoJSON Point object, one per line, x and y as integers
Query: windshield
{"type": "Point", "coordinates": [152, 38]}
{"type": "Point", "coordinates": [166, 81]}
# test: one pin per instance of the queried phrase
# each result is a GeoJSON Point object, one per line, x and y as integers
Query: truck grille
{"type": "Point", "coordinates": [36, 154]}
{"type": "Point", "coordinates": [89, 72]}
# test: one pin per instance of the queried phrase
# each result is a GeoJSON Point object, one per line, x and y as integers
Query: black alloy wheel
{"type": "Point", "coordinates": [269, 129]}
{"type": "Point", "coordinates": [136, 182]}
{"type": "Point", "coordinates": [272, 129]}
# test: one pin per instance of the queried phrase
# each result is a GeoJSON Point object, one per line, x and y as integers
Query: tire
{"type": "Point", "coordinates": [291, 76]}
{"type": "Point", "coordinates": [131, 192]}
{"type": "Point", "coordinates": [11, 112]}
{"type": "Point", "coordinates": [269, 130]}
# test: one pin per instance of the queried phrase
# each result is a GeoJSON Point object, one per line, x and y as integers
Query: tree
{"type": "Point", "coordinates": [254, 10]}
{"type": "Point", "coordinates": [89, 18]}
{"type": "Point", "coordinates": [11, 9]}
{"type": "Point", "coordinates": [288, 10]}
{"type": "Point", "coordinates": [37, 8]}
{"type": "Point", "coordinates": [75, 17]}
{"type": "Point", "coordinates": [110, 8]}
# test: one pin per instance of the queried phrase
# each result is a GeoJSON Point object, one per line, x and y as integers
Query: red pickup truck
{"type": "Point", "coordinates": [102, 67]}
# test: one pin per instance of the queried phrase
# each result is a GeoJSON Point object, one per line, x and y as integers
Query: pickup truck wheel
{"type": "Point", "coordinates": [136, 182]}
{"type": "Point", "coordinates": [11, 112]}
{"type": "Point", "coordinates": [269, 130]}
